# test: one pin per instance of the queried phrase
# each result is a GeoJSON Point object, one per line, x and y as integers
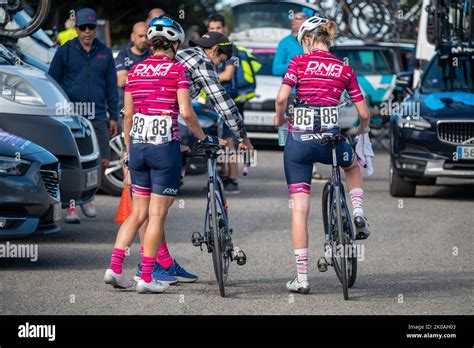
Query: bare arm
{"type": "Point", "coordinates": [364, 116]}
{"type": "Point", "coordinates": [127, 118]}
{"type": "Point", "coordinates": [188, 114]}
{"type": "Point", "coordinates": [121, 78]}
{"type": "Point", "coordinates": [227, 74]}
{"type": "Point", "coordinates": [281, 104]}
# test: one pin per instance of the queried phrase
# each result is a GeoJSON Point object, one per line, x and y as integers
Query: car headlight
{"type": "Point", "coordinates": [413, 122]}
{"type": "Point", "coordinates": [13, 166]}
{"type": "Point", "coordinates": [16, 89]}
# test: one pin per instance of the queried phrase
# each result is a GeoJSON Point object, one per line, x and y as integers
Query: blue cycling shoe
{"type": "Point", "coordinates": [180, 273]}
{"type": "Point", "coordinates": [158, 273]}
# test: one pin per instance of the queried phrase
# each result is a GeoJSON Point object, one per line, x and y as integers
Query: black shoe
{"type": "Point", "coordinates": [362, 227]}
{"type": "Point", "coordinates": [231, 187]}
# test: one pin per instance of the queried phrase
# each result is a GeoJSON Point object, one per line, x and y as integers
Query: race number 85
{"type": "Point", "coordinates": [303, 117]}
{"type": "Point", "coordinates": [329, 115]}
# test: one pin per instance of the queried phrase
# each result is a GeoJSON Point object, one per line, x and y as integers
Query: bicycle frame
{"type": "Point", "coordinates": [214, 181]}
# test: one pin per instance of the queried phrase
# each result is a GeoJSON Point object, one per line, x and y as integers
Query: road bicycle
{"type": "Point", "coordinates": [217, 236]}
{"type": "Point", "coordinates": [340, 247]}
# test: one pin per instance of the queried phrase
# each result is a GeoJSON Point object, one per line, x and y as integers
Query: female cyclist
{"type": "Point", "coordinates": [156, 89]}
{"type": "Point", "coordinates": [320, 79]}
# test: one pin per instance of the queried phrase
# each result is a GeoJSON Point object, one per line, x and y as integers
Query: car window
{"type": "Point", "coordinates": [442, 75]}
{"type": "Point", "coordinates": [266, 14]}
{"type": "Point", "coordinates": [363, 61]}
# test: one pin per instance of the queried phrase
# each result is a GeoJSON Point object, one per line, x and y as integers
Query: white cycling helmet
{"type": "Point", "coordinates": [309, 25]}
{"type": "Point", "coordinates": [166, 27]}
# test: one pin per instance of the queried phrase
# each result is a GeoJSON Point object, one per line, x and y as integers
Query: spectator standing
{"type": "Point", "coordinates": [84, 67]}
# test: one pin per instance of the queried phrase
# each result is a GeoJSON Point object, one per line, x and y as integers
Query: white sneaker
{"type": "Point", "coordinates": [117, 280]}
{"type": "Point", "coordinates": [154, 286]}
{"type": "Point", "coordinates": [71, 216]}
{"type": "Point", "coordinates": [88, 209]}
{"type": "Point", "coordinates": [295, 285]}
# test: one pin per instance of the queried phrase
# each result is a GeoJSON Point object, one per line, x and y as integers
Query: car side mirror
{"type": "Point", "coordinates": [405, 81]}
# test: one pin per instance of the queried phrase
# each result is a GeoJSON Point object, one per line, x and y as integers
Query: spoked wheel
{"type": "Point", "coordinates": [217, 254]}
{"type": "Point", "coordinates": [351, 251]}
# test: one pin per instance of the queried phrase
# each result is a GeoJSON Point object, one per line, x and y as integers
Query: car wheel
{"type": "Point", "coordinates": [112, 181]}
{"type": "Point", "coordinates": [399, 187]}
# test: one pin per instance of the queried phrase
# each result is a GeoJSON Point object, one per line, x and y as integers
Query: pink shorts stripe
{"type": "Point", "coordinates": [141, 191]}
{"type": "Point", "coordinates": [301, 187]}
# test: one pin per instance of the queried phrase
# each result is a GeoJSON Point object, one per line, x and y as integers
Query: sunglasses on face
{"type": "Point", "coordinates": [87, 26]}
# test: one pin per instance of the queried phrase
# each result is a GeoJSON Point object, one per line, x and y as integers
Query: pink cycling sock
{"type": "Point", "coordinates": [116, 262]}
{"type": "Point", "coordinates": [147, 268]}
{"type": "Point", "coordinates": [163, 256]}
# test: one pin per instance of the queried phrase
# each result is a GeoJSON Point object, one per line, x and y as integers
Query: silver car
{"type": "Point", "coordinates": [32, 105]}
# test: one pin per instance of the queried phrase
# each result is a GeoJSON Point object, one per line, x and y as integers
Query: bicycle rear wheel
{"type": "Point", "coordinates": [217, 255]}
{"type": "Point", "coordinates": [339, 255]}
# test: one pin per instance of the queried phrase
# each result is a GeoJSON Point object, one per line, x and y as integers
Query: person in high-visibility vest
{"type": "Point", "coordinates": [70, 32]}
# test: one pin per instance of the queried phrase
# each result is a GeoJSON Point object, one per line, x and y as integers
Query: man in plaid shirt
{"type": "Point", "coordinates": [202, 59]}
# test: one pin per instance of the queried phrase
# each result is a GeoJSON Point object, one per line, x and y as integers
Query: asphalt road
{"type": "Point", "coordinates": [419, 259]}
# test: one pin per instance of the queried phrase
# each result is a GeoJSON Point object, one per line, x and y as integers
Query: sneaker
{"type": "Point", "coordinates": [232, 187]}
{"type": "Point", "coordinates": [180, 273]}
{"type": "Point", "coordinates": [301, 287]}
{"type": "Point", "coordinates": [159, 273]}
{"type": "Point", "coordinates": [88, 209]}
{"type": "Point", "coordinates": [71, 216]}
{"type": "Point", "coordinates": [362, 227]}
{"type": "Point", "coordinates": [154, 286]}
{"type": "Point", "coordinates": [117, 280]}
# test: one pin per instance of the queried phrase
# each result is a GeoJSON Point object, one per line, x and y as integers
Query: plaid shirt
{"type": "Point", "coordinates": [204, 77]}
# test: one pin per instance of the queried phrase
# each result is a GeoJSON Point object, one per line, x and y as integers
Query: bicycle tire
{"type": "Point", "coordinates": [224, 230]}
{"type": "Point", "coordinates": [217, 259]}
{"type": "Point", "coordinates": [349, 229]}
{"type": "Point", "coordinates": [340, 239]}
{"type": "Point", "coordinates": [326, 203]}
{"type": "Point", "coordinates": [35, 23]}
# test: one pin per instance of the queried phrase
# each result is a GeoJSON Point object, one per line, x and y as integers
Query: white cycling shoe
{"type": "Point", "coordinates": [154, 286]}
{"type": "Point", "coordinates": [301, 287]}
{"type": "Point", "coordinates": [116, 280]}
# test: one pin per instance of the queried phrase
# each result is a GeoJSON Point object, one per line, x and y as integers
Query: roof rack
{"type": "Point", "coordinates": [453, 21]}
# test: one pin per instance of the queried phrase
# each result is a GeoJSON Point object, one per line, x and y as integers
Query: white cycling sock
{"type": "Point", "coordinates": [301, 256]}
{"type": "Point", "coordinates": [357, 199]}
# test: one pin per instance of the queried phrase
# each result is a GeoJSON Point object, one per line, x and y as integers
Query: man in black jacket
{"type": "Point", "coordinates": [85, 69]}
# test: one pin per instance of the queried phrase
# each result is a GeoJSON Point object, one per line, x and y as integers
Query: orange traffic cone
{"type": "Point", "coordinates": [125, 206]}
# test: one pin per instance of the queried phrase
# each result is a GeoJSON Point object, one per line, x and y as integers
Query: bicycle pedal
{"type": "Point", "coordinates": [196, 239]}
{"type": "Point", "coordinates": [322, 264]}
{"type": "Point", "coordinates": [239, 256]}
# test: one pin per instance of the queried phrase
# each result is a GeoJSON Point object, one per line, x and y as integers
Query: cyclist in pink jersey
{"type": "Point", "coordinates": [154, 92]}
{"type": "Point", "coordinates": [320, 79]}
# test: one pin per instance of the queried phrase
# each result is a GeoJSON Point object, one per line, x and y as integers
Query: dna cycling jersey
{"type": "Point", "coordinates": [153, 84]}
{"type": "Point", "coordinates": [320, 80]}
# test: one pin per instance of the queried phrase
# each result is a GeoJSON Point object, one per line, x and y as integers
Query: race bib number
{"type": "Point", "coordinates": [303, 119]}
{"type": "Point", "coordinates": [329, 117]}
{"type": "Point", "coordinates": [156, 129]}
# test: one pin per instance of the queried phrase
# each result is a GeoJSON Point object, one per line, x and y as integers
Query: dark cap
{"type": "Point", "coordinates": [86, 16]}
{"type": "Point", "coordinates": [213, 38]}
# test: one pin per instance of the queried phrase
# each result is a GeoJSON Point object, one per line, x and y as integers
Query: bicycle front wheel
{"type": "Point", "coordinates": [217, 255]}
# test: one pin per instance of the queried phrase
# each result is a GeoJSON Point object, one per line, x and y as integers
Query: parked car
{"type": "Point", "coordinates": [29, 188]}
{"type": "Point", "coordinates": [32, 105]}
{"type": "Point", "coordinates": [433, 134]}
